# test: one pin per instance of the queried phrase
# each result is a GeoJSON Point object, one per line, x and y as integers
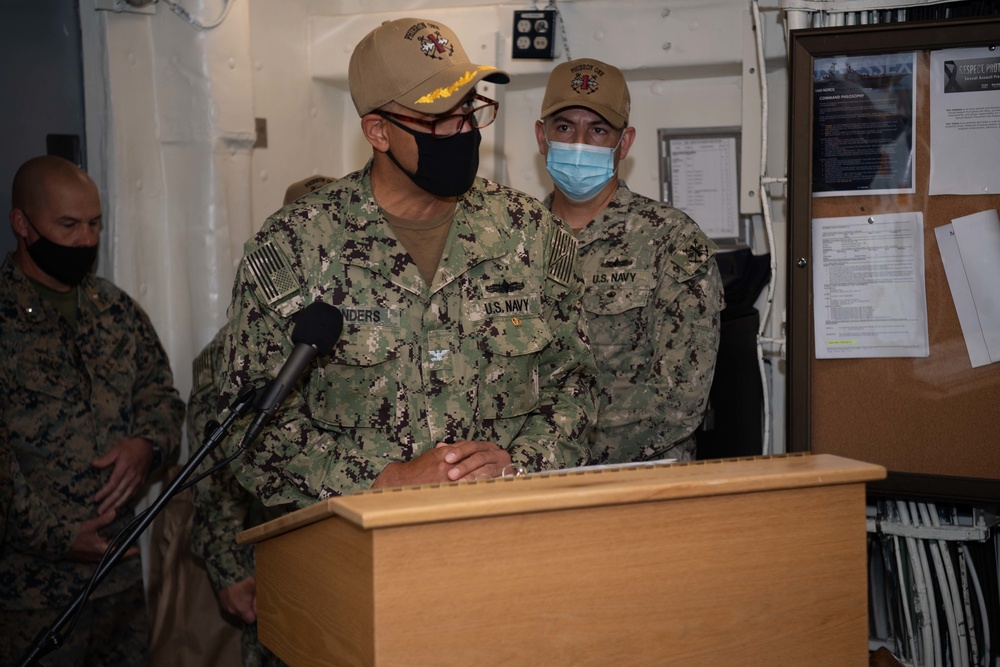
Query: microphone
{"type": "Point", "coordinates": [317, 329]}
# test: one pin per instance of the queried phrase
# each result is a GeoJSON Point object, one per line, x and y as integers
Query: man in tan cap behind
{"type": "Point", "coordinates": [654, 292]}
{"type": "Point", "coordinates": [463, 353]}
{"type": "Point", "coordinates": [305, 186]}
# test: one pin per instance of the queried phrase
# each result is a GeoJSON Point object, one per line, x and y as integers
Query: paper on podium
{"type": "Point", "coordinates": [606, 466]}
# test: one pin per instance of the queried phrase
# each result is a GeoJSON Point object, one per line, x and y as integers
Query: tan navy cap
{"type": "Point", "coordinates": [590, 84]}
{"type": "Point", "coordinates": [305, 186]}
{"type": "Point", "coordinates": [417, 63]}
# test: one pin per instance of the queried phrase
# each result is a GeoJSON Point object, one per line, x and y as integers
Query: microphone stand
{"type": "Point", "coordinates": [51, 639]}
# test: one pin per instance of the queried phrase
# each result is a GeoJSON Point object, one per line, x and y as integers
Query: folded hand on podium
{"type": "Point", "coordinates": [466, 460]}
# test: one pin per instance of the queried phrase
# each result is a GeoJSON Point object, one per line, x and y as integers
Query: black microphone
{"type": "Point", "coordinates": [317, 328]}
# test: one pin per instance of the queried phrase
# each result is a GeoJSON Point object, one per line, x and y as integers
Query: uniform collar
{"type": "Point", "coordinates": [614, 214]}
{"type": "Point", "coordinates": [31, 306]}
{"type": "Point", "coordinates": [370, 242]}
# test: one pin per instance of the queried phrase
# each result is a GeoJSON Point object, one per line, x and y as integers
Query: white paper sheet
{"type": "Point", "coordinates": [978, 237]}
{"type": "Point", "coordinates": [869, 298]}
{"type": "Point", "coordinates": [965, 121]}
{"type": "Point", "coordinates": [704, 183]}
{"type": "Point", "coordinates": [604, 466]}
{"type": "Point", "coordinates": [961, 294]}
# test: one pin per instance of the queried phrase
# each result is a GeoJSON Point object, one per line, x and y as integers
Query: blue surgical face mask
{"type": "Point", "coordinates": [580, 171]}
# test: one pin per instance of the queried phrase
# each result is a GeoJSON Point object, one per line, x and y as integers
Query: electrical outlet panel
{"type": "Point", "coordinates": [534, 34]}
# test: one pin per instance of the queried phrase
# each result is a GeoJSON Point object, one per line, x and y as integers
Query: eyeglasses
{"type": "Point", "coordinates": [482, 111]}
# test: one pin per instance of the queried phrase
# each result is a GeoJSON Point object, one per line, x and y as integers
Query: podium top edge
{"type": "Point", "coordinates": [572, 489]}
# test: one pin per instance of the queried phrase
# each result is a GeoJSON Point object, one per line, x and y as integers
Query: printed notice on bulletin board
{"type": "Point", "coordinates": [965, 121]}
{"type": "Point", "coordinates": [868, 287]}
{"type": "Point", "coordinates": [700, 178]}
{"type": "Point", "coordinates": [863, 125]}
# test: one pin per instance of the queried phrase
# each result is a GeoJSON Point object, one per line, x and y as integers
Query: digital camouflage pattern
{"type": "Point", "coordinates": [653, 298]}
{"type": "Point", "coordinates": [222, 508]}
{"type": "Point", "coordinates": [69, 396]}
{"type": "Point", "coordinates": [112, 631]}
{"type": "Point", "coordinates": [7, 464]}
{"type": "Point", "coordinates": [494, 350]}
{"type": "Point", "coordinates": [220, 503]}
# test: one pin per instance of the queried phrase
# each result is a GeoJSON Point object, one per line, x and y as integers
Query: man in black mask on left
{"type": "Point", "coordinates": [88, 410]}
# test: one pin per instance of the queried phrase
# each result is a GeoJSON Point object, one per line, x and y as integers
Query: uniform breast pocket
{"type": "Point", "coordinates": [615, 300]}
{"type": "Point", "coordinates": [508, 383]}
{"type": "Point", "coordinates": [615, 313]}
{"type": "Point", "coordinates": [356, 388]}
{"type": "Point", "coordinates": [49, 376]}
{"type": "Point", "coordinates": [118, 370]}
{"type": "Point", "coordinates": [47, 398]}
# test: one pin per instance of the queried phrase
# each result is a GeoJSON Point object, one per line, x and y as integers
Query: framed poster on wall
{"type": "Point", "coordinates": [699, 174]}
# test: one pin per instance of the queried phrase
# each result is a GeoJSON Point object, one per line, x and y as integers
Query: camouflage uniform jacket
{"type": "Point", "coordinates": [653, 298]}
{"type": "Point", "coordinates": [495, 349]}
{"type": "Point", "coordinates": [69, 396]}
{"type": "Point", "coordinates": [222, 508]}
{"type": "Point", "coordinates": [7, 470]}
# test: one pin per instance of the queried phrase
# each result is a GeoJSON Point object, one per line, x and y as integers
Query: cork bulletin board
{"type": "Point", "coordinates": [934, 421]}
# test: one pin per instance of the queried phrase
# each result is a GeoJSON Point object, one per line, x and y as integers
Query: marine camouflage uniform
{"type": "Point", "coordinates": [494, 350]}
{"type": "Point", "coordinates": [70, 395]}
{"type": "Point", "coordinates": [6, 482]}
{"type": "Point", "coordinates": [222, 508]}
{"type": "Point", "coordinates": [653, 298]}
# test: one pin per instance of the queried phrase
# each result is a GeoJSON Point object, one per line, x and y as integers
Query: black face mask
{"type": "Point", "coordinates": [67, 264]}
{"type": "Point", "coordinates": [445, 167]}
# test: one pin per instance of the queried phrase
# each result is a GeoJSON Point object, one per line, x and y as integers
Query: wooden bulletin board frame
{"type": "Point", "coordinates": [933, 422]}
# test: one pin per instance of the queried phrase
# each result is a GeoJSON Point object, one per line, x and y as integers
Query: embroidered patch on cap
{"type": "Point", "coordinates": [585, 83]}
{"type": "Point", "coordinates": [435, 45]}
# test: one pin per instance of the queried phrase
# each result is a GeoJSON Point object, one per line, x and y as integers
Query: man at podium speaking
{"type": "Point", "coordinates": [464, 350]}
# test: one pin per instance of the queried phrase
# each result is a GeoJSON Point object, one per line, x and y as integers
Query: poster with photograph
{"type": "Point", "coordinates": [863, 125]}
{"type": "Point", "coordinates": [965, 121]}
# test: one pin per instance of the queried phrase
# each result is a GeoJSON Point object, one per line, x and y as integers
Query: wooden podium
{"type": "Point", "coordinates": [742, 562]}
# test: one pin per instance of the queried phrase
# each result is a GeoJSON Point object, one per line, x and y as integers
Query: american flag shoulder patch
{"type": "Point", "coordinates": [562, 257]}
{"type": "Point", "coordinates": [204, 368]}
{"type": "Point", "coordinates": [272, 274]}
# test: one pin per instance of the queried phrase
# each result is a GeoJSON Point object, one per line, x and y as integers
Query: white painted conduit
{"type": "Point", "coordinates": [982, 603]}
{"type": "Point", "coordinates": [910, 636]}
{"type": "Point", "coordinates": [765, 204]}
{"type": "Point", "coordinates": [957, 624]}
{"type": "Point", "coordinates": [832, 13]}
{"type": "Point", "coordinates": [923, 597]}
{"type": "Point", "coordinates": [920, 538]}
{"type": "Point", "coordinates": [947, 588]}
